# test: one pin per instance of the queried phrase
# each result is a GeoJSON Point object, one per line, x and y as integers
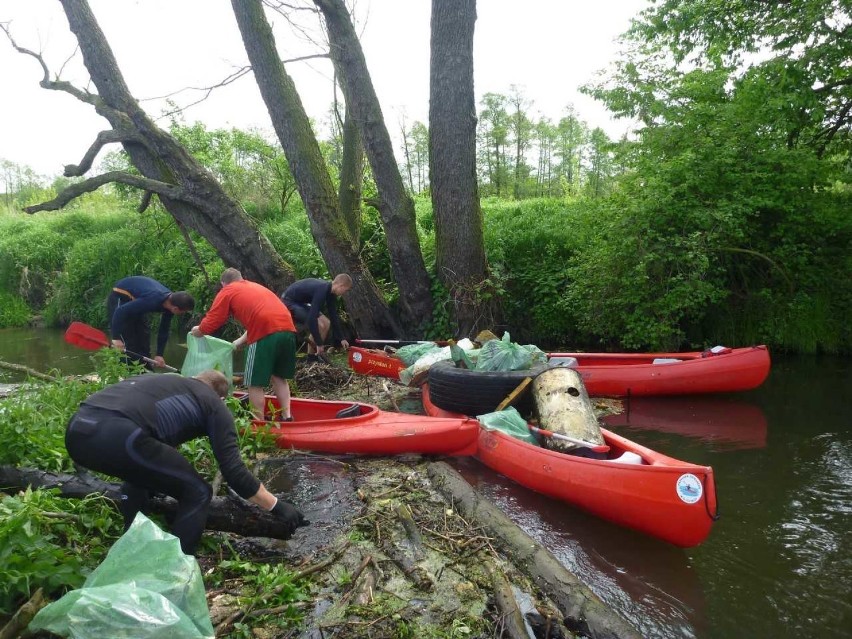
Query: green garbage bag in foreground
{"type": "Point", "coordinates": [208, 353]}
{"type": "Point", "coordinates": [146, 588]}
{"type": "Point", "coordinates": [508, 421]}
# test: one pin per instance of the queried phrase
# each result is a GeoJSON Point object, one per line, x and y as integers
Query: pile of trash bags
{"type": "Point", "coordinates": [494, 355]}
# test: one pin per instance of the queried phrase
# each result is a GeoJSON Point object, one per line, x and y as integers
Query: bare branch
{"type": "Point", "coordinates": [145, 202]}
{"type": "Point", "coordinates": [46, 82]}
{"type": "Point", "coordinates": [104, 137]}
{"type": "Point", "coordinates": [93, 184]}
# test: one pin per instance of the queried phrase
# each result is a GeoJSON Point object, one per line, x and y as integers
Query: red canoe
{"type": "Point", "coordinates": [368, 430]}
{"type": "Point", "coordinates": [634, 374]}
{"type": "Point", "coordinates": [661, 496]}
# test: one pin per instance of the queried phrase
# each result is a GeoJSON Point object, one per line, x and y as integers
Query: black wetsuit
{"type": "Point", "coordinates": [131, 299]}
{"type": "Point", "coordinates": [131, 429]}
{"type": "Point", "coordinates": [306, 299]}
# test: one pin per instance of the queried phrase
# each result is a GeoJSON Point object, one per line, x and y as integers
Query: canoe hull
{"type": "Point", "coordinates": [635, 374]}
{"type": "Point", "coordinates": [631, 374]}
{"type": "Point", "coordinates": [371, 432]}
{"type": "Point", "coordinates": [370, 361]}
{"type": "Point", "coordinates": [664, 497]}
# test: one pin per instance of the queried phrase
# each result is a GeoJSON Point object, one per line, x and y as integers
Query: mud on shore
{"type": "Point", "coordinates": [390, 555]}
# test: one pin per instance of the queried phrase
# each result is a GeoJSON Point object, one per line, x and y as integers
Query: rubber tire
{"type": "Point", "coordinates": [477, 392]}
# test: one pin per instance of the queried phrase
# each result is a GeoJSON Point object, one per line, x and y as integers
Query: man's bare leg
{"type": "Point", "coordinates": [257, 400]}
{"type": "Point", "coordinates": [282, 392]}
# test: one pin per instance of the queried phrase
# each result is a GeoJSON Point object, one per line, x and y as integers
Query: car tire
{"type": "Point", "coordinates": [477, 392]}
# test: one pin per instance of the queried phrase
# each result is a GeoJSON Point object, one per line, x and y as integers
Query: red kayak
{"type": "Point", "coordinates": [634, 374]}
{"type": "Point", "coordinates": [364, 429]}
{"type": "Point", "coordinates": [634, 487]}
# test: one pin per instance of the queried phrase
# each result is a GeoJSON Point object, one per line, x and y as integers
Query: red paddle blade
{"type": "Point", "coordinates": [85, 336]}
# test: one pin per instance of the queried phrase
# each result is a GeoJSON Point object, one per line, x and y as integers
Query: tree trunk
{"type": "Point", "coordinates": [584, 611]}
{"type": "Point", "coordinates": [226, 514]}
{"type": "Point", "coordinates": [460, 246]}
{"type": "Point", "coordinates": [198, 201]}
{"type": "Point", "coordinates": [351, 178]}
{"type": "Point", "coordinates": [396, 208]}
{"type": "Point", "coordinates": [368, 310]}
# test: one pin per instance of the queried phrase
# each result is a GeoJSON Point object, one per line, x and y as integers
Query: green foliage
{"type": "Point", "coordinates": [264, 586]}
{"type": "Point", "coordinates": [13, 311]}
{"type": "Point", "coordinates": [32, 422]}
{"type": "Point", "coordinates": [50, 542]}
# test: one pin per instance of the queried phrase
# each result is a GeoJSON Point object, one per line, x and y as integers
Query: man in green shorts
{"type": "Point", "coordinates": [270, 335]}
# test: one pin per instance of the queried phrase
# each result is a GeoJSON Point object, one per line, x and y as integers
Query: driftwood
{"type": "Point", "coordinates": [22, 618]}
{"type": "Point", "coordinates": [226, 514]}
{"type": "Point", "coordinates": [20, 368]}
{"type": "Point", "coordinates": [583, 611]}
{"type": "Point", "coordinates": [510, 615]}
{"type": "Point", "coordinates": [563, 406]}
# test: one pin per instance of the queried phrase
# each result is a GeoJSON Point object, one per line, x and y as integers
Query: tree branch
{"type": "Point", "coordinates": [93, 184]}
{"type": "Point", "coordinates": [104, 137]}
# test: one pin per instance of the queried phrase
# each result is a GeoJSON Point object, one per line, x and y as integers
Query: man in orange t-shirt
{"type": "Point", "coordinates": [270, 335]}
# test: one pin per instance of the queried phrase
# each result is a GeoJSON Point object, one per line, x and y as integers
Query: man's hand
{"type": "Point", "coordinates": [344, 345]}
{"type": "Point", "coordinates": [160, 361]}
{"type": "Point", "coordinates": [118, 344]}
{"type": "Point", "coordinates": [195, 331]}
{"type": "Point", "coordinates": [289, 515]}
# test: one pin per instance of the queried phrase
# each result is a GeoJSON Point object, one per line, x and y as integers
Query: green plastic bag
{"type": "Point", "coordinates": [145, 588]}
{"type": "Point", "coordinates": [504, 355]}
{"type": "Point", "coordinates": [508, 421]}
{"type": "Point", "coordinates": [208, 353]}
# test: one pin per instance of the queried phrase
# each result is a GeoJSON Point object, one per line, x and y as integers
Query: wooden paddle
{"type": "Point", "coordinates": [91, 339]}
{"type": "Point", "coordinates": [598, 448]}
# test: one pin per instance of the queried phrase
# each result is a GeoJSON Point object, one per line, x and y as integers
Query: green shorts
{"type": "Point", "coordinates": [274, 354]}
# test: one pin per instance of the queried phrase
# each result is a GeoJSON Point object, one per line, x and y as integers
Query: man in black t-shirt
{"type": "Point", "coordinates": [131, 430]}
{"type": "Point", "coordinates": [307, 299]}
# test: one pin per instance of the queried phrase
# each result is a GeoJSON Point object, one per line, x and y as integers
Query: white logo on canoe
{"type": "Point", "coordinates": [356, 357]}
{"type": "Point", "coordinates": [689, 488]}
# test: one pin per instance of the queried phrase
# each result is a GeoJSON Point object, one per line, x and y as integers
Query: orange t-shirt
{"type": "Point", "coordinates": [256, 307]}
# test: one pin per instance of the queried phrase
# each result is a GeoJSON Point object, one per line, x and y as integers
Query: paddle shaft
{"type": "Point", "coordinates": [90, 338]}
{"type": "Point", "coordinates": [598, 448]}
{"type": "Point", "coordinates": [399, 342]}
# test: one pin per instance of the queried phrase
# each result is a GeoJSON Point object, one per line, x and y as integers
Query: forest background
{"type": "Point", "coordinates": [723, 218]}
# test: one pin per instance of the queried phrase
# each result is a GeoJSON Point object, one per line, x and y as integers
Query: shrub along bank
{"type": "Point", "coordinates": [585, 274]}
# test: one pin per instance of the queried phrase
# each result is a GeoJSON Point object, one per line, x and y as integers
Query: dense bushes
{"type": "Point", "coordinates": [615, 273]}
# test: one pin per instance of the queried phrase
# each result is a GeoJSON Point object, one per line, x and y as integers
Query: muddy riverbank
{"type": "Point", "coordinates": [403, 547]}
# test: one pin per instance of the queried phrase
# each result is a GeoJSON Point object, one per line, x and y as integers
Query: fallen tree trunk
{"type": "Point", "coordinates": [584, 612]}
{"type": "Point", "coordinates": [226, 514]}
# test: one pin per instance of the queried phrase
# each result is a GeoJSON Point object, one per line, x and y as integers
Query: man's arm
{"type": "Point", "coordinates": [216, 316]}
{"type": "Point", "coordinates": [163, 332]}
{"type": "Point", "coordinates": [334, 318]}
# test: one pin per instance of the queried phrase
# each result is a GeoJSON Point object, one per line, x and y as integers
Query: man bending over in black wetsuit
{"type": "Point", "coordinates": [306, 300]}
{"type": "Point", "coordinates": [131, 429]}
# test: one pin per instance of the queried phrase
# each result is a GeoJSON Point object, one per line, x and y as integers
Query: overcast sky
{"type": "Point", "coordinates": [547, 47]}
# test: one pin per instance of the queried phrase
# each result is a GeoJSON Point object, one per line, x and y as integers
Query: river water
{"type": "Point", "coordinates": [777, 564]}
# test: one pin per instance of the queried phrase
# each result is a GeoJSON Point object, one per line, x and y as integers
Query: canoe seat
{"type": "Point", "coordinates": [628, 457]}
{"type": "Point", "coordinates": [349, 411]}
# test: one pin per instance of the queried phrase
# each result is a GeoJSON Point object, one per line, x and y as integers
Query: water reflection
{"type": "Point", "coordinates": [649, 582]}
{"type": "Point", "coordinates": [44, 349]}
{"type": "Point", "coordinates": [721, 422]}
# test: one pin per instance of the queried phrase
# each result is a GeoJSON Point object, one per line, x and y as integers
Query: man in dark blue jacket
{"type": "Point", "coordinates": [307, 299]}
{"type": "Point", "coordinates": [131, 430]}
{"type": "Point", "coordinates": [131, 299]}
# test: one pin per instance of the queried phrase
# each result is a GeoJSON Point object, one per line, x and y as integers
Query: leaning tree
{"type": "Point", "coordinates": [186, 189]}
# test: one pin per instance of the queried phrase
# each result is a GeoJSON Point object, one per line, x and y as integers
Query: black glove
{"type": "Point", "coordinates": [290, 515]}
